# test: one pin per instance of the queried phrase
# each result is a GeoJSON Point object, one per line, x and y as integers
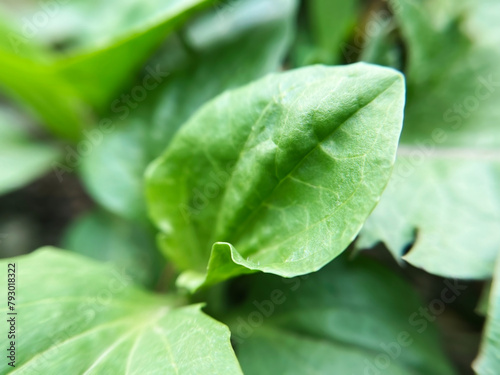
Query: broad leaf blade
{"type": "Point", "coordinates": [96, 322]}
{"type": "Point", "coordinates": [289, 170]}
{"type": "Point", "coordinates": [348, 318]}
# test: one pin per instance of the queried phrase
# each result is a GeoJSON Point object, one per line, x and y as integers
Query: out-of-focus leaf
{"type": "Point", "coordinates": [127, 245]}
{"type": "Point", "coordinates": [444, 192]}
{"type": "Point", "coordinates": [331, 22]}
{"type": "Point", "coordinates": [21, 158]}
{"type": "Point", "coordinates": [227, 48]}
{"type": "Point", "coordinates": [120, 44]}
{"type": "Point", "coordinates": [64, 89]}
{"type": "Point", "coordinates": [76, 316]}
{"type": "Point", "coordinates": [348, 318]}
{"type": "Point", "coordinates": [287, 172]}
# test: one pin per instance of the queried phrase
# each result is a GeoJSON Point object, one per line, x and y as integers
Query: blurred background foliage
{"type": "Point", "coordinates": [68, 69]}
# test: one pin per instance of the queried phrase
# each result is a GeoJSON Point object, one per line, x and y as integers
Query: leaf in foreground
{"type": "Point", "coordinates": [78, 316]}
{"type": "Point", "coordinates": [277, 176]}
{"type": "Point", "coordinates": [348, 318]}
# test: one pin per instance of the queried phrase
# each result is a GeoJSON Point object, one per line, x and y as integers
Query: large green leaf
{"type": "Point", "coordinates": [228, 47]}
{"type": "Point", "coordinates": [126, 244]}
{"type": "Point", "coordinates": [21, 158]}
{"type": "Point", "coordinates": [286, 170]}
{"type": "Point", "coordinates": [348, 318]}
{"type": "Point", "coordinates": [444, 192]}
{"type": "Point", "coordinates": [80, 317]}
{"type": "Point", "coordinates": [488, 361]}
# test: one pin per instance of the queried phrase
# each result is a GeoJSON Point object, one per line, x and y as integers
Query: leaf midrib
{"type": "Point", "coordinates": [302, 159]}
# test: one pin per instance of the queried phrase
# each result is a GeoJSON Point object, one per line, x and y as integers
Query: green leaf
{"type": "Point", "coordinates": [21, 159]}
{"type": "Point", "coordinates": [66, 88]}
{"type": "Point", "coordinates": [443, 196]}
{"type": "Point", "coordinates": [54, 101]}
{"type": "Point", "coordinates": [331, 22]}
{"type": "Point", "coordinates": [347, 318]}
{"type": "Point", "coordinates": [287, 171]}
{"type": "Point", "coordinates": [136, 31]}
{"type": "Point", "coordinates": [488, 361]}
{"type": "Point", "coordinates": [78, 316]}
{"type": "Point", "coordinates": [114, 172]}
{"type": "Point", "coordinates": [224, 52]}
{"type": "Point", "coordinates": [127, 245]}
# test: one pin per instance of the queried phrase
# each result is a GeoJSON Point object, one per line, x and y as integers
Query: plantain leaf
{"type": "Point", "coordinates": [21, 159]}
{"type": "Point", "coordinates": [287, 172]}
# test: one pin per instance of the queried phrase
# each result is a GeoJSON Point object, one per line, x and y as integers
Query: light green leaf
{"type": "Point", "coordinates": [348, 318]}
{"type": "Point", "coordinates": [81, 317]}
{"type": "Point", "coordinates": [66, 88]}
{"type": "Point", "coordinates": [21, 159]}
{"type": "Point", "coordinates": [138, 28]}
{"type": "Point", "coordinates": [488, 361]}
{"type": "Point", "coordinates": [287, 172]}
{"type": "Point", "coordinates": [228, 47]}
{"type": "Point", "coordinates": [443, 196]}
{"type": "Point", "coordinates": [55, 102]}
{"type": "Point", "coordinates": [127, 245]}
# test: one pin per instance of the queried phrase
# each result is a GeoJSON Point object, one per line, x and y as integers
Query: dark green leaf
{"type": "Point", "coordinates": [348, 318]}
